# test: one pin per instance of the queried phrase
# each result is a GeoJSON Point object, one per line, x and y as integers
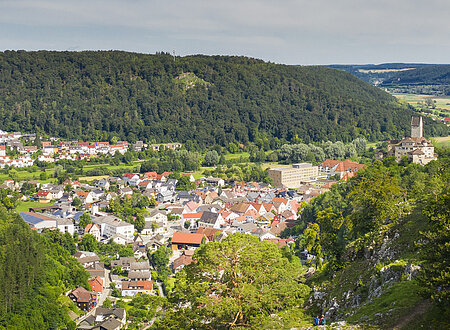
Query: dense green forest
{"type": "Point", "coordinates": [222, 99]}
{"type": "Point", "coordinates": [34, 271]}
{"type": "Point", "coordinates": [427, 75]}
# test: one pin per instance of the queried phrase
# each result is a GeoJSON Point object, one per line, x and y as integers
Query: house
{"type": "Point", "coordinates": [180, 262]}
{"type": "Point", "coordinates": [111, 225]}
{"type": "Point", "coordinates": [186, 240]}
{"type": "Point", "coordinates": [93, 229]}
{"type": "Point", "coordinates": [138, 275]}
{"type": "Point", "coordinates": [132, 288]}
{"type": "Point", "coordinates": [131, 178]}
{"type": "Point", "coordinates": [110, 318]}
{"type": "Point", "coordinates": [332, 167]}
{"type": "Point", "coordinates": [124, 262]}
{"type": "Point", "coordinates": [210, 233]}
{"type": "Point", "coordinates": [262, 234]}
{"type": "Point", "coordinates": [65, 225]}
{"type": "Point", "coordinates": [96, 284]}
{"type": "Point", "coordinates": [165, 196]}
{"type": "Point", "coordinates": [126, 191]}
{"type": "Point", "coordinates": [215, 181]}
{"type": "Point", "coordinates": [89, 261]}
{"type": "Point", "coordinates": [83, 298]}
{"type": "Point", "coordinates": [103, 184]}
{"type": "Point", "coordinates": [157, 216]}
{"type": "Point", "coordinates": [44, 196]}
{"type": "Point", "coordinates": [211, 220]}
{"type": "Point", "coordinates": [85, 197]}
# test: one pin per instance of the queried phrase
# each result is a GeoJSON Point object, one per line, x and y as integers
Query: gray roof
{"type": "Point", "coordinates": [142, 265]}
{"type": "Point", "coordinates": [209, 217]}
{"type": "Point", "coordinates": [133, 274]}
{"type": "Point", "coordinates": [35, 218]}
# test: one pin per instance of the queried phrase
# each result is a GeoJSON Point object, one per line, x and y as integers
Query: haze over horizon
{"type": "Point", "coordinates": [292, 32]}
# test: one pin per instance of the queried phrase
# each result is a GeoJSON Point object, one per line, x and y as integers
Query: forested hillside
{"type": "Point", "coordinates": [212, 100]}
{"type": "Point", "coordinates": [34, 271]}
{"type": "Point", "coordinates": [427, 75]}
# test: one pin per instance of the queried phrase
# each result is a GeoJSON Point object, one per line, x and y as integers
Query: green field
{"type": "Point", "coordinates": [24, 206]}
{"type": "Point", "coordinates": [442, 102]}
{"type": "Point", "coordinates": [442, 142]}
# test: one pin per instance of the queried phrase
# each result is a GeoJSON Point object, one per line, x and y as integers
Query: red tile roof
{"type": "Point", "coordinates": [187, 238]}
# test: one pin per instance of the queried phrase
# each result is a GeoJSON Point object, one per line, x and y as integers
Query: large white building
{"type": "Point", "coordinates": [294, 176]}
{"type": "Point", "coordinates": [111, 225]}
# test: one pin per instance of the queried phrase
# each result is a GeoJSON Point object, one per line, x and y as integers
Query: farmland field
{"type": "Point", "coordinates": [442, 102]}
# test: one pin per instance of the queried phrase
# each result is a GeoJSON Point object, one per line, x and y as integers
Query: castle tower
{"type": "Point", "coordinates": [416, 127]}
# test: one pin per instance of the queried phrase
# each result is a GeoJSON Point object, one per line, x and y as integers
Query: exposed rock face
{"type": "Point", "coordinates": [369, 284]}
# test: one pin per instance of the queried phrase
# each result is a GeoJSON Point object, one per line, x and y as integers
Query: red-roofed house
{"type": "Point", "coordinates": [44, 196]}
{"type": "Point", "coordinates": [332, 167]}
{"type": "Point", "coordinates": [96, 284]}
{"type": "Point", "coordinates": [2, 151]}
{"type": "Point", "coordinates": [186, 240]}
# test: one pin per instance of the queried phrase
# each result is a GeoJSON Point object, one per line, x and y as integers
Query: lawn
{"type": "Point", "coordinates": [24, 206]}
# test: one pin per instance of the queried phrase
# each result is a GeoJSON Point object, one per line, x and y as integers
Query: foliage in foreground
{"type": "Point", "coordinates": [239, 282]}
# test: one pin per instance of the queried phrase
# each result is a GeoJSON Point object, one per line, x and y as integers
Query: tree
{"type": "Point", "coordinates": [76, 202]}
{"type": "Point", "coordinates": [312, 236]}
{"type": "Point", "coordinates": [184, 183]}
{"type": "Point", "coordinates": [85, 219]}
{"type": "Point", "coordinates": [211, 158]}
{"type": "Point", "coordinates": [436, 248]}
{"type": "Point", "coordinates": [236, 283]}
{"type": "Point", "coordinates": [360, 145]}
{"type": "Point", "coordinates": [88, 243]}
{"type": "Point", "coordinates": [376, 199]}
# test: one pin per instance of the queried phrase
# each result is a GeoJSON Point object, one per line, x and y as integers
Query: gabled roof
{"type": "Point", "coordinates": [35, 218]}
{"type": "Point", "coordinates": [209, 217]}
{"type": "Point", "coordinates": [187, 238]}
{"type": "Point", "coordinates": [182, 260]}
{"type": "Point", "coordinates": [81, 294]}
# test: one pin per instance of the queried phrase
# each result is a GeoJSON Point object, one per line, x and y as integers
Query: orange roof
{"type": "Point", "coordinates": [187, 238]}
{"type": "Point", "coordinates": [192, 215]}
{"type": "Point", "coordinates": [208, 232]}
{"type": "Point", "coordinates": [343, 165]}
{"type": "Point", "coordinates": [281, 200]}
{"type": "Point", "coordinates": [82, 194]}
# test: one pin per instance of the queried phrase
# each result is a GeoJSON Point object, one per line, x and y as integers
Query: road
{"type": "Point", "coordinates": [106, 292]}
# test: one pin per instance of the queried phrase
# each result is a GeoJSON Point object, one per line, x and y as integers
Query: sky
{"type": "Point", "coordinates": [284, 31]}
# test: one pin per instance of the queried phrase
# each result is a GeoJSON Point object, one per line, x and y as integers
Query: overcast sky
{"type": "Point", "coordinates": [283, 31]}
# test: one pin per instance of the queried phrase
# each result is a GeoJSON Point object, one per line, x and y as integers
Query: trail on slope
{"type": "Point", "coordinates": [418, 310]}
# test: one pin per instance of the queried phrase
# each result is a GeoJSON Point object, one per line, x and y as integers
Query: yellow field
{"type": "Point", "coordinates": [384, 70]}
{"type": "Point", "coordinates": [443, 142]}
{"type": "Point", "coordinates": [92, 178]}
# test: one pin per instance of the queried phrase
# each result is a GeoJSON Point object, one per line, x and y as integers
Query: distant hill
{"type": "Point", "coordinates": [416, 78]}
{"type": "Point", "coordinates": [375, 74]}
{"type": "Point", "coordinates": [207, 99]}
{"type": "Point", "coordinates": [426, 75]}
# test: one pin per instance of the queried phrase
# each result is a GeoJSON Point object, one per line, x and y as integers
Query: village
{"type": "Point", "coordinates": [166, 218]}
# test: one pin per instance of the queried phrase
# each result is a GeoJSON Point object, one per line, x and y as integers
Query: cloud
{"type": "Point", "coordinates": [325, 31]}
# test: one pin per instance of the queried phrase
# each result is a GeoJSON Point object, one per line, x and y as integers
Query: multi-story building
{"type": "Point", "coordinates": [294, 176]}
{"type": "Point", "coordinates": [416, 148]}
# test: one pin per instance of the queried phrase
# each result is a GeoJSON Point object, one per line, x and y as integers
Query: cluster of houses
{"type": "Point", "coordinates": [181, 220]}
{"type": "Point", "coordinates": [54, 150]}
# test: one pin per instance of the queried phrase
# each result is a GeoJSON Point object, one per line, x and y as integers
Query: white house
{"type": "Point", "coordinates": [111, 225]}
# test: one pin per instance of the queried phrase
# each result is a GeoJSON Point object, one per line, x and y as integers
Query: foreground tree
{"type": "Point", "coordinates": [239, 282]}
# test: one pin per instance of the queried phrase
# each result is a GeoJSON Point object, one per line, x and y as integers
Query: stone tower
{"type": "Point", "coordinates": [416, 127]}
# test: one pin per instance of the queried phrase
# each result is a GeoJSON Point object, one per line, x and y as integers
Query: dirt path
{"type": "Point", "coordinates": [418, 310]}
